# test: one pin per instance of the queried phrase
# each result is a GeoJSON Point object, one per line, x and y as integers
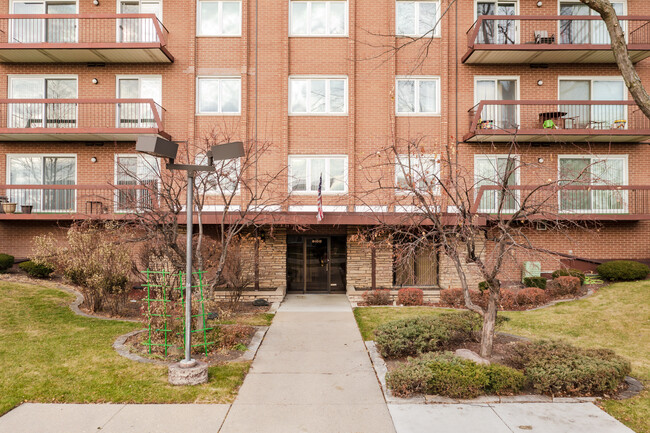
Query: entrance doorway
{"type": "Point", "coordinates": [316, 264]}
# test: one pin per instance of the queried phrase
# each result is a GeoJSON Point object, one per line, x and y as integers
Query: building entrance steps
{"type": "Point", "coordinates": [311, 374]}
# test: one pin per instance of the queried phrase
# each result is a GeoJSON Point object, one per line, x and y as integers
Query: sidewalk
{"type": "Point", "coordinates": [311, 374]}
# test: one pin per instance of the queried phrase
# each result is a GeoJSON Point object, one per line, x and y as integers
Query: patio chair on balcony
{"type": "Point", "coordinates": [542, 37]}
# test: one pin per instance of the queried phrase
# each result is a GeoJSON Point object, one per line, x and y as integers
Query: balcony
{"type": "Point", "coordinates": [73, 202]}
{"type": "Point", "coordinates": [557, 122]}
{"type": "Point", "coordinates": [568, 202]}
{"type": "Point", "coordinates": [123, 38]}
{"type": "Point", "coordinates": [501, 39]}
{"type": "Point", "coordinates": [80, 119]}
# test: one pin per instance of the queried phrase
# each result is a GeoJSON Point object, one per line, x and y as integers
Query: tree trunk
{"type": "Point", "coordinates": [619, 48]}
{"type": "Point", "coordinates": [489, 324]}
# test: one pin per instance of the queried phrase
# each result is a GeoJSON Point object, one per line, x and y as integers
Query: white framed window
{"type": "Point", "coordinates": [318, 18]}
{"type": "Point", "coordinates": [218, 95]}
{"type": "Point", "coordinates": [136, 169]}
{"type": "Point", "coordinates": [497, 170]}
{"type": "Point", "coordinates": [224, 181]}
{"type": "Point", "coordinates": [419, 96]}
{"type": "Point", "coordinates": [417, 172]}
{"type": "Point", "coordinates": [504, 31]}
{"type": "Point", "coordinates": [138, 29]}
{"type": "Point", "coordinates": [43, 169]}
{"type": "Point", "coordinates": [580, 170]}
{"type": "Point", "coordinates": [306, 172]}
{"type": "Point", "coordinates": [219, 18]}
{"type": "Point", "coordinates": [138, 114]}
{"type": "Point", "coordinates": [37, 115]}
{"type": "Point", "coordinates": [44, 30]}
{"type": "Point", "coordinates": [318, 96]}
{"type": "Point", "coordinates": [576, 31]}
{"type": "Point", "coordinates": [417, 18]}
{"type": "Point", "coordinates": [581, 116]}
{"type": "Point", "coordinates": [498, 88]}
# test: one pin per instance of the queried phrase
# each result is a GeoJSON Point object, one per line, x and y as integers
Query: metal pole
{"type": "Point", "coordinates": [188, 269]}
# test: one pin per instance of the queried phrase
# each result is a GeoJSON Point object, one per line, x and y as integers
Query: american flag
{"type": "Point", "coordinates": [319, 217]}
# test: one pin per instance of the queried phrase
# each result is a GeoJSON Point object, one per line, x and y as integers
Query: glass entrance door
{"type": "Point", "coordinates": [316, 264]}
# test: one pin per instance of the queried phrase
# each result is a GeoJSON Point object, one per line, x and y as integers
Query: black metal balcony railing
{"type": "Point", "coordinates": [514, 38]}
{"type": "Point", "coordinates": [597, 120]}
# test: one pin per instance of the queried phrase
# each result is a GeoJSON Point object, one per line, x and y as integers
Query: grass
{"type": "Point", "coordinates": [259, 319]}
{"type": "Point", "coordinates": [49, 354]}
{"type": "Point", "coordinates": [617, 317]}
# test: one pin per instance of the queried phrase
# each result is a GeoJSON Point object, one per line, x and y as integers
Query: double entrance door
{"type": "Point", "coordinates": [316, 264]}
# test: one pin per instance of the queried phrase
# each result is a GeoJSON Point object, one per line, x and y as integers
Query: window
{"type": "Point", "coordinates": [219, 18]}
{"type": "Point", "coordinates": [318, 96]}
{"type": "Point", "coordinates": [53, 30]}
{"type": "Point", "coordinates": [42, 170]}
{"type": "Point", "coordinates": [37, 115]}
{"type": "Point", "coordinates": [419, 96]}
{"type": "Point", "coordinates": [593, 170]}
{"type": "Point", "coordinates": [420, 172]}
{"type": "Point", "coordinates": [415, 268]}
{"type": "Point", "coordinates": [497, 170]}
{"type": "Point", "coordinates": [139, 114]}
{"type": "Point", "coordinates": [218, 95]}
{"type": "Point", "coordinates": [139, 29]}
{"type": "Point", "coordinates": [583, 116]}
{"type": "Point", "coordinates": [500, 89]}
{"type": "Point", "coordinates": [319, 18]}
{"type": "Point", "coordinates": [132, 170]}
{"type": "Point", "coordinates": [224, 181]}
{"type": "Point", "coordinates": [503, 31]}
{"type": "Point", "coordinates": [306, 172]}
{"type": "Point", "coordinates": [576, 31]}
{"type": "Point", "coordinates": [417, 18]}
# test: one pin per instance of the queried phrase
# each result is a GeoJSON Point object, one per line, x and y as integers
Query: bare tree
{"type": "Point", "coordinates": [479, 221]}
{"type": "Point", "coordinates": [621, 55]}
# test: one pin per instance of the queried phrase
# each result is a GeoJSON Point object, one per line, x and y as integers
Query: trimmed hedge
{"type": "Point", "coordinates": [6, 261]}
{"type": "Point", "coordinates": [623, 270]}
{"type": "Point", "coordinates": [377, 297]}
{"type": "Point", "coordinates": [569, 273]}
{"type": "Point", "coordinates": [455, 298]}
{"type": "Point", "coordinates": [36, 270]}
{"type": "Point", "coordinates": [531, 296]}
{"type": "Point", "coordinates": [451, 376]}
{"type": "Point", "coordinates": [563, 286]}
{"type": "Point", "coordinates": [539, 282]}
{"type": "Point", "coordinates": [410, 296]}
{"type": "Point", "coordinates": [416, 335]}
{"type": "Point", "coordinates": [558, 368]}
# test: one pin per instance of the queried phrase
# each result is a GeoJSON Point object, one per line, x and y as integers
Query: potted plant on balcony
{"type": "Point", "coordinates": [26, 208]}
{"type": "Point", "coordinates": [9, 207]}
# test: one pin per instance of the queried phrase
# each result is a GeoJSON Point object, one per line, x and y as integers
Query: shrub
{"type": "Point", "coordinates": [563, 286]}
{"type": "Point", "coordinates": [6, 261]}
{"type": "Point", "coordinates": [96, 259]}
{"type": "Point", "coordinates": [36, 270]}
{"type": "Point", "coordinates": [451, 376]}
{"type": "Point", "coordinates": [483, 286]}
{"type": "Point", "coordinates": [231, 335]}
{"type": "Point", "coordinates": [455, 298]}
{"type": "Point", "coordinates": [539, 282]}
{"type": "Point", "coordinates": [412, 336]}
{"type": "Point", "coordinates": [377, 297]}
{"type": "Point", "coordinates": [508, 300]}
{"type": "Point", "coordinates": [504, 380]}
{"type": "Point", "coordinates": [569, 273]}
{"type": "Point", "coordinates": [561, 369]}
{"type": "Point", "coordinates": [623, 270]}
{"type": "Point", "coordinates": [531, 296]}
{"type": "Point", "coordinates": [410, 296]}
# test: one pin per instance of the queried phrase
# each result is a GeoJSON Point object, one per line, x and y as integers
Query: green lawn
{"type": "Point", "coordinates": [49, 354]}
{"type": "Point", "coordinates": [617, 317]}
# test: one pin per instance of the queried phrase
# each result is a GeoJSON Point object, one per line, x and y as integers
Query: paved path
{"type": "Point", "coordinates": [311, 374]}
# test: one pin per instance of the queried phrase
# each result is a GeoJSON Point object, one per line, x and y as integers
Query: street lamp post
{"type": "Point", "coordinates": [188, 371]}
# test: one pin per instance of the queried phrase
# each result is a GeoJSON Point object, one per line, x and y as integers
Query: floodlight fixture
{"type": "Point", "coordinates": [156, 146]}
{"type": "Point", "coordinates": [222, 152]}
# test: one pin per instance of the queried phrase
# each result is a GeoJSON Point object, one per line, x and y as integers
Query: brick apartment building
{"type": "Point", "coordinates": [331, 89]}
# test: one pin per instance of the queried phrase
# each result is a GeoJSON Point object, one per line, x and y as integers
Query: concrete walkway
{"type": "Point", "coordinates": [311, 374]}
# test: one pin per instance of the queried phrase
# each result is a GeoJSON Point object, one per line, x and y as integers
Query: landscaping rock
{"type": "Point", "coordinates": [194, 374]}
{"type": "Point", "coordinates": [472, 356]}
{"type": "Point", "coordinates": [259, 302]}
{"type": "Point", "coordinates": [212, 316]}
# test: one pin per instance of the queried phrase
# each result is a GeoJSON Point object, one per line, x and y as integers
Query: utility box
{"type": "Point", "coordinates": [531, 269]}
